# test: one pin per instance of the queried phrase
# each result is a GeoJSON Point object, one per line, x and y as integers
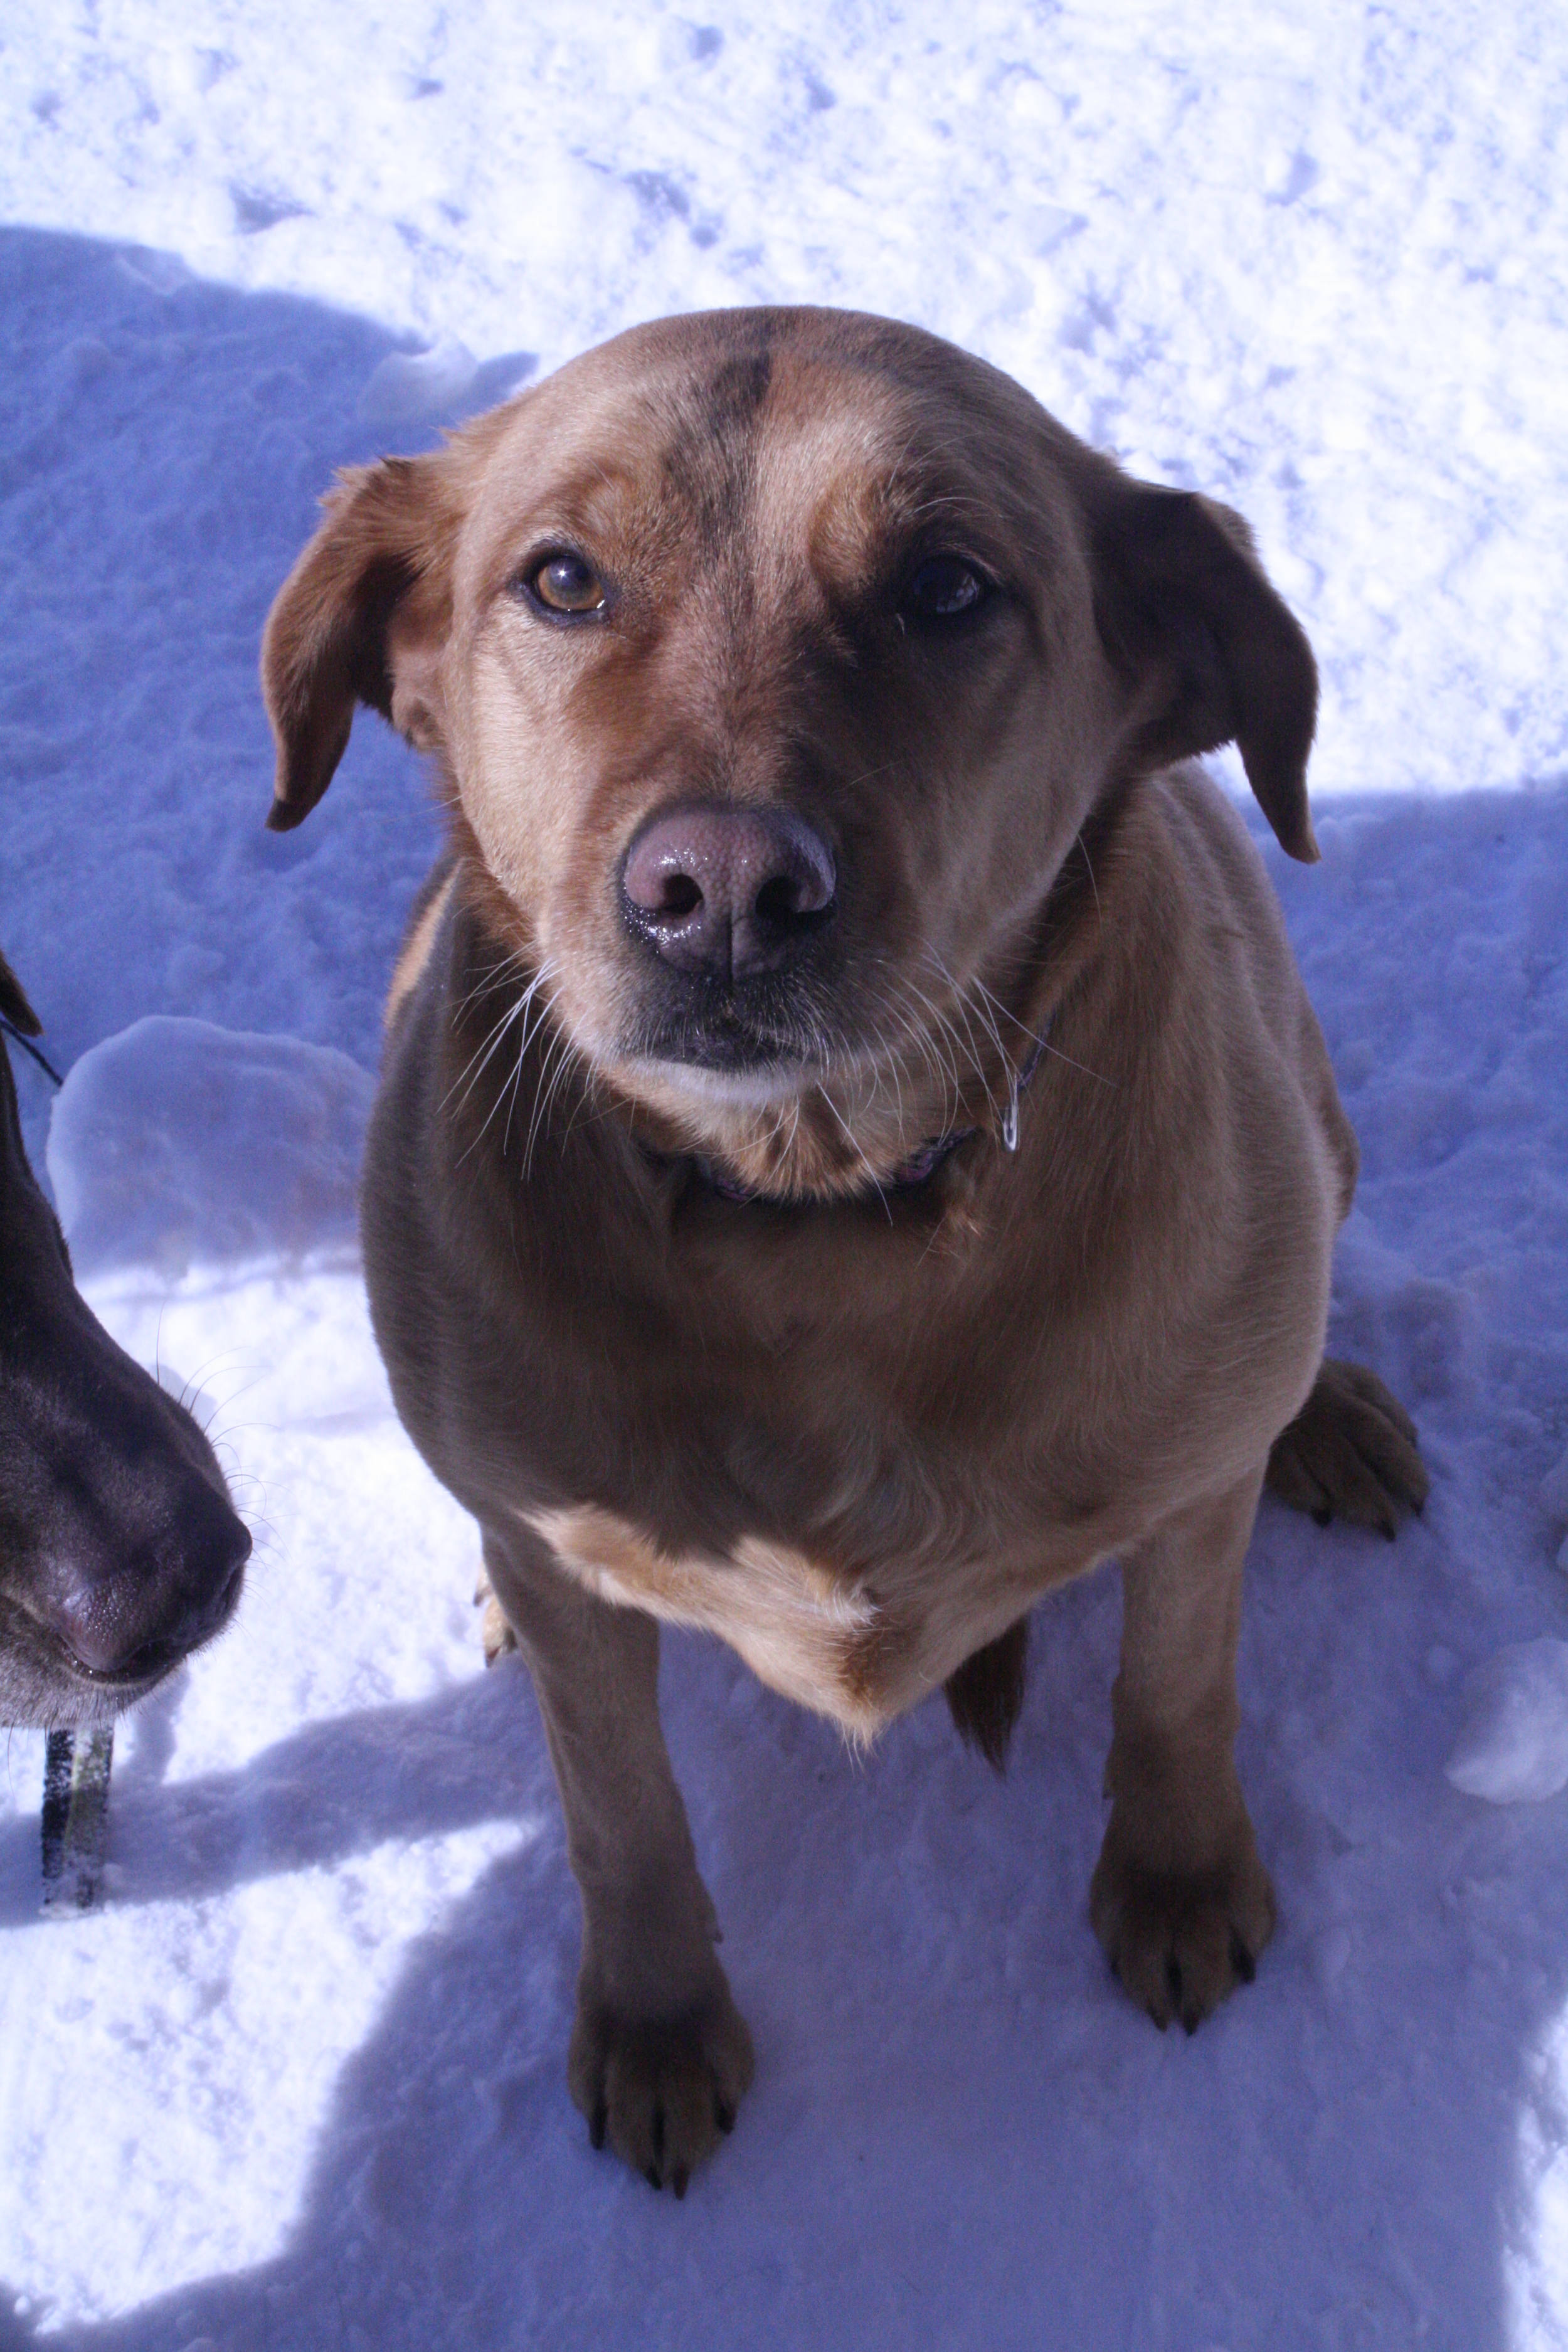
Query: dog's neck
{"type": "Point", "coordinates": [922, 1164]}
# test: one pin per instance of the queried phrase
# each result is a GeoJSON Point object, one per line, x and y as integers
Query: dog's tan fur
{"type": "Point", "coordinates": [858, 1427]}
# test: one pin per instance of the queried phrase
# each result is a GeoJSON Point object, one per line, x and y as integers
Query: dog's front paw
{"type": "Point", "coordinates": [1181, 1942]}
{"type": "Point", "coordinates": [1351, 1452]}
{"type": "Point", "coordinates": [662, 2092]}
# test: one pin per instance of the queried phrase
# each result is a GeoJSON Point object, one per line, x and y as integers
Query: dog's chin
{"type": "Point", "coordinates": [58, 1693]}
{"type": "Point", "coordinates": [90, 1698]}
{"type": "Point", "coordinates": [723, 1062]}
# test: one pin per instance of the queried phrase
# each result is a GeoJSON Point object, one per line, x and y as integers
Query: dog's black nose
{"type": "Point", "coordinates": [728, 892]}
{"type": "Point", "coordinates": [142, 1608]}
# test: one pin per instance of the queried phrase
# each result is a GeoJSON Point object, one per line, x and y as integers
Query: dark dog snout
{"type": "Point", "coordinates": [119, 1550]}
{"type": "Point", "coordinates": [132, 1592]}
{"type": "Point", "coordinates": [726, 893]}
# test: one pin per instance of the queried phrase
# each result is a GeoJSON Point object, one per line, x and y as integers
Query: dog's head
{"type": "Point", "coordinates": [775, 660]}
{"type": "Point", "coordinates": [119, 1550]}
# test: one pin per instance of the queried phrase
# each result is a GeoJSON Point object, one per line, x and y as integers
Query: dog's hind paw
{"type": "Point", "coordinates": [663, 2091]}
{"type": "Point", "coordinates": [495, 1633]}
{"type": "Point", "coordinates": [1352, 1453]}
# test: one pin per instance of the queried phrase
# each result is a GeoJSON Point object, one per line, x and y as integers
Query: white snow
{"type": "Point", "coordinates": [1513, 1748]}
{"type": "Point", "coordinates": [300, 2083]}
{"type": "Point", "coordinates": [1308, 258]}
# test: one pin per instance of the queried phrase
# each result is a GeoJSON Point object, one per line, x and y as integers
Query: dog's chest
{"type": "Point", "coordinates": [859, 1648]}
{"type": "Point", "coordinates": [829, 1647]}
{"type": "Point", "coordinates": [854, 1533]}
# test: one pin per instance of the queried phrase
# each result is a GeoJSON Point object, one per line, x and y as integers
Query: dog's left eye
{"type": "Point", "coordinates": [943, 587]}
{"type": "Point", "coordinates": [566, 583]}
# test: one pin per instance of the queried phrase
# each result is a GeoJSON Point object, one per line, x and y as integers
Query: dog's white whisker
{"type": "Point", "coordinates": [562, 1054]}
{"type": "Point", "coordinates": [519, 1013]}
{"type": "Point", "coordinates": [849, 1138]}
{"type": "Point", "coordinates": [490, 1045]}
{"type": "Point", "coordinates": [516, 1013]}
{"type": "Point", "coordinates": [479, 1060]}
{"type": "Point", "coordinates": [1082, 848]}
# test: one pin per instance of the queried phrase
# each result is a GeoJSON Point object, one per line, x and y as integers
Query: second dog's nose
{"type": "Point", "coordinates": [729, 892]}
{"type": "Point", "coordinates": [163, 1599]}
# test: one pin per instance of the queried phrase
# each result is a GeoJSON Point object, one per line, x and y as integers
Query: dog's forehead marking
{"type": "Point", "coordinates": [779, 452]}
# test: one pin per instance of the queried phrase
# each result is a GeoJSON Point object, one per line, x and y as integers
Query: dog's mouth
{"type": "Point", "coordinates": [721, 1033]}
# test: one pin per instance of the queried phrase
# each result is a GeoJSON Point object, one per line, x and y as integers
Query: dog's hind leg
{"type": "Point", "coordinates": [1351, 1453]}
{"type": "Point", "coordinates": [1180, 1900]}
{"type": "Point", "coordinates": [660, 2055]}
{"type": "Point", "coordinates": [985, 1694]}
{"type": "Point", "coordinates": [496, 1636]}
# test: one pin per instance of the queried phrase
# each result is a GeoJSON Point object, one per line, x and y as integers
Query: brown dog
{"type": "Point", "coordinates": [854, 1150]}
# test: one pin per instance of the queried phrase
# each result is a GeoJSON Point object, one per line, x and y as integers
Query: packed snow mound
{"type": "Point", "coordinates": [408, 388]}
{"type": "Point", "coordinates": [1513, 1750]}
{"type": "Point", "coordinates": [177, 1143]}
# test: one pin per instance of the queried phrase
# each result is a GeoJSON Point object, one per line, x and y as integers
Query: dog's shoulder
{"type": "Point", "coordinates": [1244, 933]}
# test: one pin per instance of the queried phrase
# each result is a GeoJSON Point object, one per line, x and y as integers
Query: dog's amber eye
{"type": "Point", "coordinates": [943, 587]}
{"type": "Point", "coordinates": [564, 584]}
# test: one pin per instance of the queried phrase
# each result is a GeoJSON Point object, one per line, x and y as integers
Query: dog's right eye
{"type": "Point", "coordinates": [944, 588]}
{"type": "Point", "coordinates": [566, 584]}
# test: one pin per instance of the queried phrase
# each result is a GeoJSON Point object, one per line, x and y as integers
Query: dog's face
{"type": "Point", "coordinates": [119, 1550]}
{"type": "Point", "coordinates": [775, 660]}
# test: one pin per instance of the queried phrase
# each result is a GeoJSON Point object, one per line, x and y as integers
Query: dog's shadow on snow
{"type": "Point", "coordinates": [331, 1791]}
{"type": "Point", "coordinates": [961, 2132]}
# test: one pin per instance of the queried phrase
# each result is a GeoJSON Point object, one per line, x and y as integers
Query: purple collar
{"type": "Point", "coordinates": [922, 1164]}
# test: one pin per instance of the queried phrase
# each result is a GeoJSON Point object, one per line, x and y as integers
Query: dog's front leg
{"type": "Point", "coordinates": [1180, 1899]}
{"type": "Point", "coordinates": [660, 2055]}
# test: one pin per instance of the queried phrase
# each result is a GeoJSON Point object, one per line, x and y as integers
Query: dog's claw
{"type": "Point", "coordinates": [724, 2115]}
{"type": "Point", "coordinates": [597, 2122]}
{"type": "Point", "coordinates": [1241, 1959]}
{"type": "Point", "coordinates": [678, 2182]}
{"type": "Point", "coordinates": [651, 2177]}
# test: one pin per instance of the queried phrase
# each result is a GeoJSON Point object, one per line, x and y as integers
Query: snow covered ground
{"type": "Point", "coordinates": [300, 2083]}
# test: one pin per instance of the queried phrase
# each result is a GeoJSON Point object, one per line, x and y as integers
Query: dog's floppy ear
{"type": "Point", "coordinates": [14, 1005]}
{"type": "Point", "coordinates": [363, 617]}
{"type": "Point", "coordinates": [1184, 603]}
